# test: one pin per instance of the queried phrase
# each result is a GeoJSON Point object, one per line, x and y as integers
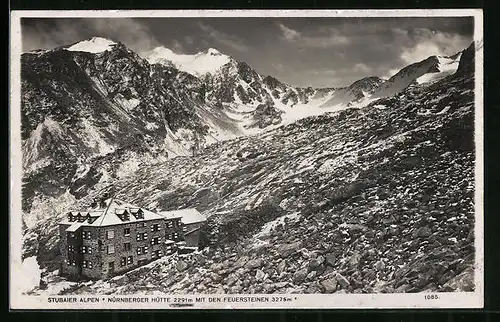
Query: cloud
{"type": "Point", "coordinates": [224, 38]}
{"type": "Point", "coordinates": [321, 38]}
{"type": "Point", "coordinates": [135, 35]}
{"type": "Point", "coordinates": [362, 68]}
{"type": "Point", "coordinates": [289, 33]}
{"type": "Point", "coordinates": [177, 47]}
{"type": "Point", "coordinates": [391, 73]}
{"type": "Point", "coordinates": [430, 43]}
{"type": "Point", "coordinates": [189, 40]}
{"type": "Point", "coordinates": [278, 67]}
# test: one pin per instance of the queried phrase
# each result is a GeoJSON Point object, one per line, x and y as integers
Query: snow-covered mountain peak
{"type": "Point", "coordinates": [211, 52]}
{"type": "Point", "coordinates": [205, 62]}
{"type": "Point", "coordinates": [93, 45]}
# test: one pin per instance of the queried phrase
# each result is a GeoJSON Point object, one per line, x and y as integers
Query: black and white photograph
{"type": "Point", "coordinates": [200, 159]}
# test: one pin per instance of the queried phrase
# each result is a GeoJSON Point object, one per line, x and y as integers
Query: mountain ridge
{"type": "Point", "coordinates": [99, 109]}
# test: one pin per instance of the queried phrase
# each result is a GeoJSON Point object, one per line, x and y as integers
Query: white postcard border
{"type": "Point", "coordinates": [297, 301]}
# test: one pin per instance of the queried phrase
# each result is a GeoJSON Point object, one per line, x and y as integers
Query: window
{"type": "Point", "coordinates": [142, 236]}
{"type": "Point", "coordinates": [141, 224]}
{"type": "Point", "coordinates": [86, 249]}
{"type": "Point", "coordinates": [142, 250]}
{"type": "Point", "coordinates": [155, 241]}
{"type": "Point", "coordinates": [170, 236]}
{"type": "Point", "coordinates": [126, 246]}
{"type": "Point", "coordinates": [111, 249]}
{"type": "Point", "coordinates": [156, 254]}
{"type": "Point", "coordinates": [155, 227]}
{"type": "Point", "coordinates": [126, 232]}
{"type": "Point", "coordinates": [73, 263]}
{"type": "Point", "coordinates": [170, 224]}
{"type": "Point", "coordinates": [86, 234]}
{"type": "Point", "coordinates": [87, 264]}
{"type": "Point", "coordinates": [184, 229]}
{"type": "Point", "coordinates": [176, 236]}
{"type": "Point", "coordinates": [124, 261]}
{"type": "Point", "coordinates": [110, 234]}
{"type": "Point", "coordinates": [72, 234]}
{"type": "Point", "coordinates": [71, 248]}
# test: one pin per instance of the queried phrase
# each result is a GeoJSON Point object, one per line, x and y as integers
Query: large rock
{"type": "Point", "coordinates": [342, 280]}
{"type": "Point", "coordinates": [259, 275]}
{"type": "Point", "coordinates": [463, 282]}
{"type": "Point", "coordinates": [181, 266]}
{"type": "Point", "coordinates": [330, 285]}
{"type": "Point", "coordinates": [254, 263]}
{"type": "Point", "coordinates": [317, 262]}
{"type": "Point", "coordinates": [281, 267]}
{"type": "Point", "coordinates": [120, 281]}
{"type": "Point", "coordinates": [241, 261]}
{"type": "Point", "coordinates": [286, 250]}
{"type": "Point", "coordinates": [331, 259]}
{"type": "Point", "coordinates": [300, 275]}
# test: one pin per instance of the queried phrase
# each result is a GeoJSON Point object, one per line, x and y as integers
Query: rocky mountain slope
{"type": "Point", "coordinates": [428, 70]}
{"type": "Point", "coordinates": [88, 106]}
{"type": "Point", "coordinates": [376, 199]}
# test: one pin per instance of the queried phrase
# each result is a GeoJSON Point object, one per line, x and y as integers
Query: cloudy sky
{"type": "Point", "coordinates": [318, 52]}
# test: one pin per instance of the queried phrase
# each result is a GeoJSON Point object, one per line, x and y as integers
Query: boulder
{"type": "Point", "coordinates": [181, 266]}
{"type": "Point", "coordinates": [342, 280]}
{"type": "Point", "coordinates": [330, 285]}
{"type": "Point", "coordinates": [300, 275]}
{"type": "Point", "coordinates": [120, 281]}
{"type": "Point", "coordinates": [254, 263]}
{"type": "Point", "coordinates": [280, 285]}
{"type": "Point", "coordinates": [379, 265]}
{"type": "Point", "coordinates": [259, 275]}
{"type": "Point", "coordinates": [331, 259]}
{"type": "Point", "coordinates": [311, 275]}
{"type": "Point", "coordinates": [463, 282]}
{"type": "Point", "coordinates": [241, 261]}
{"type": "Point", "coordinates": [231, 279]}
{"type": "Point", "coordinates": [315, 263]}
{"type": "Point", "coordinates": [286, 250]}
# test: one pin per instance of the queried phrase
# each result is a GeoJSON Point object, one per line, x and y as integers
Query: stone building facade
{"type": "Point", "coordinates": [116, 238]}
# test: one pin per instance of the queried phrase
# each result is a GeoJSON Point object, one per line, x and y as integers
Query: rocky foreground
{"type": "Point", "coordinates": [379, 199]}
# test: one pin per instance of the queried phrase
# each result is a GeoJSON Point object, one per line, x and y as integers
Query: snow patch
{"type": "Point", "coordinates": [94, 45]}
{"type": "Point", "coordinates": [199, 64]}
{"type": "Point", "coordinates": [271, 225]}
{"type": "Point", "coordinates": [443, 111]}
{"type": "Point", "coordinates": [92, 138]}
{"type": "Point", "coordinates": [30, 271]}
{"type": "Point", "coordinates": [151, 126]}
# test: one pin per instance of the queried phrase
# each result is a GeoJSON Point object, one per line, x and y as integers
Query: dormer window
{"type": "Point", "coordinates": [137, 212]}
{"type": "Point", "coordinates": [123, 214]}
{"type": "Point", "coordinates": [81, 218]}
